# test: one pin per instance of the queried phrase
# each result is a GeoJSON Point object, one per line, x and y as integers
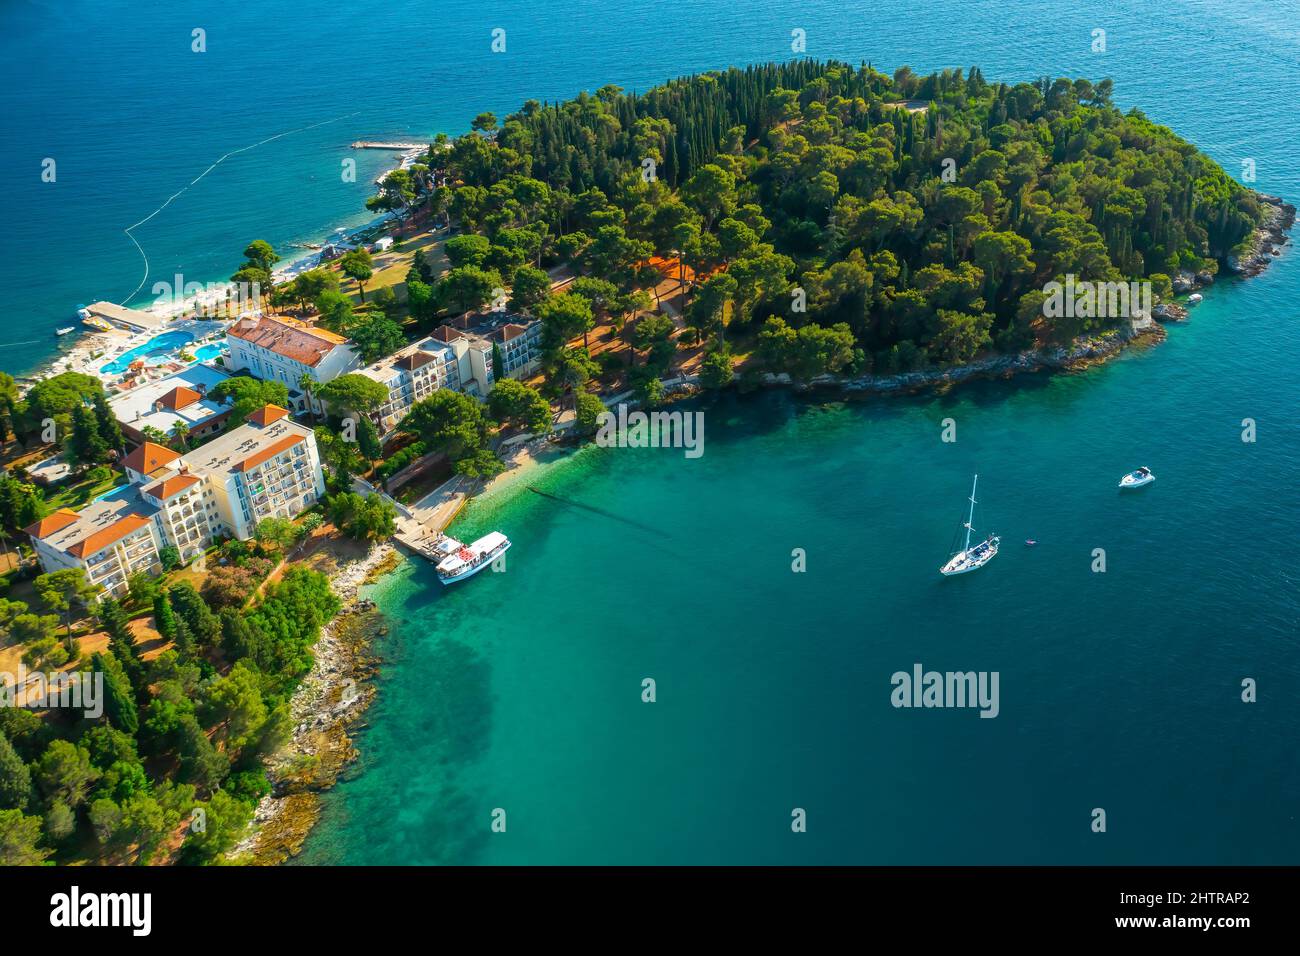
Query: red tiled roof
{"type": "Point", "coordinates": [52, 523]}
{"type": "Point", "coordinates": [171, 486]}
{"type": "Point", "coordinates": [510, 331]}
{"type": "Point", "coordinates": [103, 538]}
{"type": "Point", "coordinates": [179, 397]}
{"type": "Point", "coordinates": [149, 457]}
{"type": "Point", "coordinates": [302, 343]}
{"type": "Point", "coordinates": [445, 333]}
{"type": "Point", "coordinates": [415, 360]}
{"type": "Point", "coordinates": [269, 452]}
{"type": "Point", "coordinates": [267, 414]}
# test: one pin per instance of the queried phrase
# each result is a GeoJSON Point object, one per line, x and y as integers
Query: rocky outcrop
{"type": "Point", "coordinates": [328, 702]}
{"type": "Point", "coordinates": [1267, 241]}
{"type": "Point", "coordinates": [1080, 354]}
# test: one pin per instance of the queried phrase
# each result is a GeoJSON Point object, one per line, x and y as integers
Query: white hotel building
{"type": "Point", "coordinates": [283, 350]}
{"type": "Point", "coordinates": [267, 467]}
{"type": "Point", "coordinates": [451, 358]}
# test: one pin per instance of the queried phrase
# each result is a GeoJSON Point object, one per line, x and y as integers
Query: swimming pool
{"type": "Point", "coordinates": [154, 352]}
{"type": "Point", "coordinates": [205, 353]}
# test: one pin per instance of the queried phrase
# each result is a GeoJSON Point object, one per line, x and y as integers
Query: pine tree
{"type": "Point", "coordinates": [119, 700]}
{"type": "Point", "coordinates": [15, 779]}
{"type": "Point", "coordinates": [164, 618]}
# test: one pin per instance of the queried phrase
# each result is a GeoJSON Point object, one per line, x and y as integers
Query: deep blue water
{"type": "Point", "coordinates": [521, 690]}
{"type": "Point", "coordinates": [111, 90]}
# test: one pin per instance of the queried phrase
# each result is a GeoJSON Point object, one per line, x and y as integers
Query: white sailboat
{"type": "Point", "coordinates": [969, 558]}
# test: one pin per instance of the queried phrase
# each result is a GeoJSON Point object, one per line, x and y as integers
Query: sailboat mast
{"type": "Point", "coordinates": [971, 517]}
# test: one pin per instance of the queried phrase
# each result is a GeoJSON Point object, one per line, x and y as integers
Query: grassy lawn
{"type": "Point", "coordinates": [77, 495]}
{"type": "Point", "coordinates": [391, 266]}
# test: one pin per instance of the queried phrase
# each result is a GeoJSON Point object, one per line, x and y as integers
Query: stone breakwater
{"type": "Point", "coordinates": [328, 702]}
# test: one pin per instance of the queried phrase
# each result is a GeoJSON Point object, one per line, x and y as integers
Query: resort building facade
{"type": "Point", "coordinates": [454, 358]}
{"type": "Point", "coordinates": [110, 539]}
{"type": "Point", "coordinates": [267, 467]}
{"type": "Point", "coordinates": [180, 398]}
{"type": "Point", "coordinates": [283, 350]}
{"type": "Point", "coordinates": [473, 358]}
{"type": "Point", "coordinates": [520, 344]}
{"type": "Point", "coordinates": [412, 375]}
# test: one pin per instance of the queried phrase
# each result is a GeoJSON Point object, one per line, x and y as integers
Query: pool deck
{"type": "Point", "coordinates": [96, 350]}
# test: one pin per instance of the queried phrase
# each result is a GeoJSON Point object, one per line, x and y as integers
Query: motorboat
{"type": "Point", "coordinates": [1136, 479]}
{"type": "Point", "coordinates": [469, 559]}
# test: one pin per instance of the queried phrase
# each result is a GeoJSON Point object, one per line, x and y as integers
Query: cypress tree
{"type": "Point", "coordinates": [85, 446]}
{"type": "Point", "coordinates": [119, 699]}
{"type": "Point", "coordinates": [164, 619]}
{"type": "Point", "coordinates": [121, 643]}
{"type": "Point", "coordinates": [368, 435]}
{"type": "Point", "coordinates": [15, 779]}
{"type": "Point", "coordinates": [109, 430]}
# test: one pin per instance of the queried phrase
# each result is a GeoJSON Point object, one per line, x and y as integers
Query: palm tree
{"type": "Point", "coordinates": [305, 382]}
{"type": "Point", "coordinates": [180, 435]}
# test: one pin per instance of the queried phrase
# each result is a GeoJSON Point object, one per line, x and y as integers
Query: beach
{"type": "Point", "coordinates": [88, 350]}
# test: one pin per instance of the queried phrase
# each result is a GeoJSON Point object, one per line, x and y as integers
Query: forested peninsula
{"type": "Point", "coordinates": [826, 218]}
{"type": "Point", "coordinates": [807, 220]}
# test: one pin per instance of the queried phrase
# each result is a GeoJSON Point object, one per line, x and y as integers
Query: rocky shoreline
{"type": "Point", "coordinates": [326, 705]}
{"type": "Point", "coordinates": [1266, 243]}
{"type": "Point", "coordinates": [334, 694]}
{"type": "Point", "coordinates": [1082, 354]}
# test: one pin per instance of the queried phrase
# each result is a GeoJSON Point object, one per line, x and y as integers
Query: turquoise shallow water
{"type": "Point", "coordinates": [522, 690]}
{"type": "Point", "coordinates": [1119, 690]}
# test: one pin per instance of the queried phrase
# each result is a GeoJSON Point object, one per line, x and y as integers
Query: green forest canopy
{"type": "Point", "coordinates": [818, 175]}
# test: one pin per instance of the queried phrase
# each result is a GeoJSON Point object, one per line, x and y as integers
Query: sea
{"type": "Point", "coordinates": [692, 659]}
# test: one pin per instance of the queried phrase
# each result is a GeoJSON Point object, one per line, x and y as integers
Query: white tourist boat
{"type": "Point", "coordinates": [468, 560]}
{"type": "Point", "coordinates": [1194, 298]}
{"type": "Point", "coordinates": [970, 558]}
{"type": "Point", "coordinates": [1136, 479]}
{"type": "Point", "coordinates": [65, 330]}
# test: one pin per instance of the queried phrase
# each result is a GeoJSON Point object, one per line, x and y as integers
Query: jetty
{"type": "Point", "coordinates": [419, 527]}
{"type": "Point", "coordinates": [403, 147]}
{"type": "Point", "coordinates": [132, 320]}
